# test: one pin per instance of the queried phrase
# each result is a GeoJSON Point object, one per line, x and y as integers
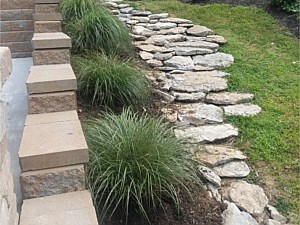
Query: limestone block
{"type": "Point", "coordinates": [51, 40]}
{"type": "Point", "coordinates": [5, 64]}
{"type": "Point", "coordinates": [48, 182]}
{"type": "Point", "coordinates": [46, 8]}
{"type": "Point", "coordinates": [52, 56]}
{"type": "Point", "coordinates": [47, 17]}
{"type": "Point", "coordinates": [51, 78]}
{"type": "Point", "coordinates": [50, 145]}
{"type": "Point", "coordinates": [47, 26]}
{"type": "Point", "coordinates": [68, 209]}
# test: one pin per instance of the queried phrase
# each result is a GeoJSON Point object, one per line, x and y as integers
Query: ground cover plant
{"type": "Point", "coordinates": [104, 80]}
{"type": "Point", "coordinates": [266, 64]}
{"type": "Point", "coordinates": [135, 160]}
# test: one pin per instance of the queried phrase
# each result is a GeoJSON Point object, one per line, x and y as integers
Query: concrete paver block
{"type": "Point", "coordinates": [67, 209]}
{"type": "Point", "coordinates": [54, 181]}
{"type": "Point", "coordinates": [47, 26]}
{"type": "Point", "coordinates": [47, 1]}
{"type": "Point", "coordinates": [51, 78]}
{"type": "Point", "coordinates": [52, 102]}
{"type": "Point", "coordinates": [47, 17]}
{"type": "Point", "coordinates": [51, 145]}
{"type": "Point", "coordinates": [51, 56]}
{"type": "Point", "coordinates": [51, 40]}
{"type": "Point", "coordinates": [46, 8]}
{"type": "Point", "coordinates": [5, 64]}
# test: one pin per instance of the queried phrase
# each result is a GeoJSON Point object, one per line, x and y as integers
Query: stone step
{"type": "Point", "coordinates": [46, 8]}
{"type": "Point", "coordinates": [47, 26]}
{"type": "Point", "coordinates": [51, 40]}
{"type": "Point", "coordinates": [51, 78]}
{"type": "Point", "coordinates": [47, 17]}
{"type": "Point", "coordinates": [51, 56]}
{"type": "Point", "coordinates": [68, 209]}
{"type": "Point", "coordinates": [41, 183]}
{"type": "Point", "coordinates": [47, 1]}
{"type": "Point", "coordinates": [48, 142]}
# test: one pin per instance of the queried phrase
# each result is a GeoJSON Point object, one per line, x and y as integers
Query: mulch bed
{"type": "Point", "coordinates": [287, 19]}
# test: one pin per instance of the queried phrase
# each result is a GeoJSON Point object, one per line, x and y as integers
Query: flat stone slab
{"type": "Point", "coordinates": [207, 134]}
{"type": "Point", "coordinates": [180, 62]}
{"type": "Point", "coordinates": [242, 110]}
{"type": "Point", "coordinates": [161, 40]}
{"type": "Point", "coordinates": [233, 216]}
{"type": "Point", "coordinates": [214, 155]}
{"type": "Point", "coordinates": [190, 51]}
{"type": "Point", "coordinates": [192, 82]}
{"type": "Point", "coordinates": [216, 38]}
{"type": "Point", "coordinates": [210, 175]}
{"type": "Point", "coordinates": [51, 78]}
{"type": "Point", "coordinates": [233, 169]}
{"type": "Point", "coordinates": [200, 114]}
{"type": "Point", "coordinates": [140, 30]}
{"type": "Point", "coordinates": [176, 30]}
{"type": "Point", "coordinates": [68, 209]}
{"type": "Point", "coordinates": [158, 16]}
{"type": "Point", "coordinates": [53, 144]}
{"type": "Point", "coordinates": [248, 197]}
{"type": "Point", "coordinates": [216, 60]}
{"type": "Point", "coordinates": [194, 44]}
{"type": "Point", "coordinates": [160, 26]}
{"type": "Point", "coordinates": [188, 97]}
{"type": "Point", "coordinates": [51, 40]}
{"type": "Point", "coordinates": [276, 215]}
{"type": "Point", "coordinates": [146, 55]}
{"type": "Point", "coordinates": [175, 20]}
{"type": "Point", "coordinates": [153, 49]}
{"type": "Point", "coordinates": [199, 31]}
{"type": "Point", "coordinates": [228, 98]}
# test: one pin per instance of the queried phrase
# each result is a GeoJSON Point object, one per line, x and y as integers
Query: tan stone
{"type": "Point", "coordinates": [46, 8]}
{"type": "Point", "coordinates": [67, 209]}
{"type": "Point", "coordinates": [5, 26]}
{"type": "Point", "coordinates": [43, 118]}
{"type": "Point", "coordinates": [51, 145]}
{"type": "Point", "coordinates": [21, 46]}
{"type": "Point", "coordinates": [52, 102]}
{"type": "Point", "coordinates": [47, 17]}
{"type": "Point", "coordinates": [48, 182]}
{"type": "Point", "coordinates": [51, 78]}
{"type": "Point", "coordinates": [5, 64]}
{"type": "Point", "coordinates": [52, 56]}
{"type": "Point", "coordinates": [12, 36]}
{"type": "Point", "coordinates": [47, 26]}
{"type": "Point", "coordinates": [51, 40]}
{"type": "Point", "coordinates": [46, 1]}
{"type": "Point", "coordinates": [21, 25]}
{"type": "Point", "coordinates": [22, 4]}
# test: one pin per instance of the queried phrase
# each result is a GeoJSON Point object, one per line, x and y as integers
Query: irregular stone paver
{"type": "Point", "coordinates": [276, 215]}
{"type": "Point", "coordinates": [195, 44]}
{"type": "Point", "coordinates": [273, 222]}
{"type": "Point", "coordinates": [209, 133]}
{"type": "Point", "coordinates": [209, 175]}
{"type": "Point", "coordinates": [161, 40]}
{"type": "Point", "coordinates": [163, 56]}
{"type": "Point", "coordinates": [216, 60]}
{"type": "Point", "coordinates": [141, 13]}
{"type": "Point", "coordinates": [214, 155]}
{"type": "Point", "coordinates": [233, 216]}
{"type": "Point", "coordinates": [175, 20]}
{"type": "Point", "coordinates": [154, 63]}
{"type": "Point", "coordinates": [242, 110]}
{"type": "Point", "coordinates": [176, 30]}
{"type": "Point", "coordinates": [215, 193]}
{"type": "Point", "coordinates": [146, 55]}
{"type": "Point", "coordinates": [153, 48]}
{"type": "Point", "coordinates": [233, 169]}
{"type": "Point", "coordinates": [140, 30]}
{"type": "Point", "coordinates": [248, 197]}
{"type": "Point", "coordinates": [159, 26]}
{"type": "Point", "coordinates": [228, 98]}
{"type": "Point", "coordinates": [158, 16]}
{"type": "Point", "coordinates": [180, 62]}
{"type": "Point", "coordinates": [188, 97]}
{"type": "Point", "coordinates": [199, 114]}
{"type": "Point", "coordinates": [200, 31]}
{"type": "Point", "coordinates": [217, 39]}
{"type": "Point", "coordinates": [192, 51]}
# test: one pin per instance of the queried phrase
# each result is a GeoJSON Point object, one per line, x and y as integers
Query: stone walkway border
{"type": "Point", "coordinates": [187, 75]}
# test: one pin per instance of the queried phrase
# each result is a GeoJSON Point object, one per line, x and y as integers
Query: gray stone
{"type": "Point", "coordinates": [132, 22]}
{"type": "Point", "coordinates": [140, 30]}
{"type": "Point", "coordinates": [216, 60]}
{"type": "Point", "coordinates": [121, 6]}
{"type": "Point", "coordinates": [153, 48]}
{"type": "Point", "coordinates": [159, 26]}
{"type": "Point", "coordinates": [208, 133]}
{"type": "Point", "coordinates": [165, 96]}
{"type": "Point", "coordinates": [123, 19]}
{"type": "Point", "coordinates": [193, 38]}
{"type": "Point", "coordinates": [176, 20]}
{"type": "Point", "coordinates": [194, 44]}
{"type": "Point", "coordinates": [215, 192]}
{"type": "Point", "coordinates": [145, 55]}
{"type": "Point", "coordinates": [185, 25]}
{"type": "Point", "coordinates": [141, 13]}
{"type": "Point", "coordinates": [233, 169]}
{"type": "Point", "coordinates": [190, 51]}
{"type": "Point", "coordinates": [180, 62]}
{"type": "Point", "coordinates": [126, 10]}
{"type": "Point", "coordinates": [176, 30]}
{"type": "Point", "coordinates": [154, 63]}
{"type": "Point", "coordinates": [141, 19]}
{"type": "Point", "coordinates": [272, 222]}
{"type": "Point", "coordinates": [138, 37]}
{"type": "Point", "coordinates": [217, 39]}
{"type": "Point", "coordinates": [233, 216]}
{"type": "Point", "coordinates": [242, 110]}
{"type": "Point", "coordinates": [199, 31]}
{"type": "Point", "coordinates": [153, 21]}
{"type": "Point", "coordinates": [276, 215]}
{"type": "Point", "coordinates": [209, 175]}
{"type": "Point", "coordinates": [214, 155]}
{"type": "Point", "coordinates": [199, 114]}
{"type": "Point", "coordinates": [188, 97]}
{"type": "Point", "coordinates": [203, 68]}
{"type": "Point", "coordinates": [228, 98]}
{"type": "Point", "coordinates": [162, 56]}
{"type": "Point", "coordinates": [164, 39]}
{"type": "Point", "coordinates": [158, 16]}
{"type": "Point", "coordinates": [248, 197]}
{"type": "Point", "coordinates": [165, 68]}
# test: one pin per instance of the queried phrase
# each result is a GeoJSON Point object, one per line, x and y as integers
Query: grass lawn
{"type": "Point", "coordinates": [266, 64]}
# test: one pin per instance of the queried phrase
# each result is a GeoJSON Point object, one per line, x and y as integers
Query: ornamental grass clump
{"type": "Point", "coordinates": [106, 81]}
{"type": "Point", "coordinates": [135, 160]}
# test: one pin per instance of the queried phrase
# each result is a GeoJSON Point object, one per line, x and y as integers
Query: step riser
{"type": "Point", "coordinates": [47, 26]}
{"type": "Point", "coordinates": [46, 8]}
{"type": "Point", "coordinates": [52, 56]}
{"type": "Point", "coordinates": [47, 17]}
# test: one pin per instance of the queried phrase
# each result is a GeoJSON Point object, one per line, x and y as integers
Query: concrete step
{"type": "Point", "coordinates": [51, 78]}
{"type": "Point", "coordinates": [47, 26]}
{"type": "Point", "coordinates": [41, 183]}
{"type": "Point", "coordinates": [67, 209]}
{"type": "Point", "coordinates": [46, 8]}
{"type": "Point", "coordinates": [55, 40]}
{"type": "Point", "coordinates": [49, 143]}
{"type": "Point", "coordinates": [51, 56]}
{"type": "Point", "coordinates": [47, 17]}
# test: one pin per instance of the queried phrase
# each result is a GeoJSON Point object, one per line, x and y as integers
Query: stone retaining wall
{"type": "Point", "coordinates": [16, 26]}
